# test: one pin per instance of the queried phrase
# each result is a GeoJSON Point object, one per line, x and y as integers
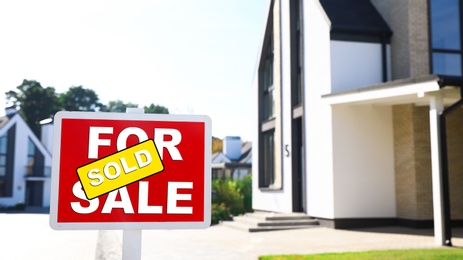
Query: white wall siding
{"type": "Point", "coordinates": [364, 182]}
{"type": "Point", "coordinates": [355, 65]}
{"type": "Point", "coordinates": [286, 112]}
{"type": "Point", "coordinates": [318, 123]}
{"type": "Point", "coordinates": [20, 163]}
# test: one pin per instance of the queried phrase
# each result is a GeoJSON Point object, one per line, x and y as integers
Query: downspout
{"type": "Point", "coordinates": [445, 167]}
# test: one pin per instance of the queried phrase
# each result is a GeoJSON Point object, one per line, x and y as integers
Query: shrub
{"type": "Point", "coordinates": [244, 186]}
{"type": "Point", "coordinates": [228, 194]}
{"type": "Point", "coordinates": [219, 212]}
{"type": "Point", "coordinates": [19, 206]}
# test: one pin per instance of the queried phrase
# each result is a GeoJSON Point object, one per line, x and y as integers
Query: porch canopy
{"type": "Point", "coordinates": [432, 91]}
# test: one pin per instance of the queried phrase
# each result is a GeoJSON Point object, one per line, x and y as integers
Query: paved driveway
{"type": "Point", "coordinates": [28, 236]}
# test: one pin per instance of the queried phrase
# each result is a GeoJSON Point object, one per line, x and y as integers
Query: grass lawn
{"type": "Point", "coordinates": [441, 253]}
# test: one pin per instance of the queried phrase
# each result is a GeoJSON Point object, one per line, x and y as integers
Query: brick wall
{"type": "Point", "coordinates": [409, 43]}
{"type": "Point", "coordinates": [404, 154]}
{"type": "Point", "coordinates": [423, 171]}
{"type": "Point", "coordinates": [412, 155]}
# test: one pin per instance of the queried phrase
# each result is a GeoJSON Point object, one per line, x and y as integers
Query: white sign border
{"type": "Point", "coordinates": [54, 224]}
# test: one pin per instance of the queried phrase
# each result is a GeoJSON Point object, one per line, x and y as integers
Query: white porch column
{"type": "Point", "coordinates": [436, 107]}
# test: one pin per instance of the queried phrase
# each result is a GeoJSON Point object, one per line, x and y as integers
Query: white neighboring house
{"type": "Point", "coordinates": [25, 163]}
{"type": "Point", "coordinates": [235, 160]}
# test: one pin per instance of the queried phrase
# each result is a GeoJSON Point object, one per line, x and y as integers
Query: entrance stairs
{"type": "Point", "coordinates": [259, 221]}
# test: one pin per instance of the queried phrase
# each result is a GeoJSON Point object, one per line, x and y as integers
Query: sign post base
{"type": "Point", "coordinates": [131, 244]}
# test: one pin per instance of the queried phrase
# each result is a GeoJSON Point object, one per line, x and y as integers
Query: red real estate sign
{"type": "Point", "coordinates": [133, 182]}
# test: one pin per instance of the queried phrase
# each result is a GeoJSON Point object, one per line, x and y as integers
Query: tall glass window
{"type": "Point", "coordinates": [446, 43]}
{"type": "Point", "coordinates": [3, 161]}
{"type": "Point", "coordinates": [30, 157]}
{"type": "Point", "coordinates": [269, 159]}
{"type": "Point", "coordinates": [267, 81]}
{"type": "Point", "coordinates": [3, 148]}
{"type": "Point", "coordinates": [296, 51]}
{"type": "Point", "coordinates": [268, 176]}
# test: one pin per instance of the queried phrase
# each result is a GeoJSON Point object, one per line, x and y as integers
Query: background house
{"type": "Point", "coordinates": [235, 160]}
{"type": "Point", "coordinates": [356, 101]}
{"type": "Point", "coordinates": [25, 164]}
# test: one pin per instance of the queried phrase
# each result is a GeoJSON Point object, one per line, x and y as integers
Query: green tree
{"type": "Point", "coordinates": [156, 109]}
{"type": "Point", "coordinates": [80, 99]}
{"type": "Point", "coordinates": [34, 102]}
{"type": "Point", "coordinates": [118, 106]}
{"type": "Point", "coordinates": [217, 145]}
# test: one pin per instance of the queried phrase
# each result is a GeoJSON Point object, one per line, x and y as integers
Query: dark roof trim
{"type": "Point", "coordinates": [450, 81]}
{"type": "Point", "coordinates": [360, 37]}
{"type": "Point", "coordinates": [230, 165]}
{"type": "Point", "coordinates": [355, 17]}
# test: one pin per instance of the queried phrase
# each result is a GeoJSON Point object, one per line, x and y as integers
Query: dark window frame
{"type": "Point", "coordinates": [4, 155]}
{"type": "Point", "coordinates": [297, 53]}
{"type": "Point", "coordinates": [267, 78]}
{"type": "Point", "coordinates": [266, 92]}
{"type": "Point", "coordinates": [7, 180]}
{"type": "Point", "coordinates": [268, 170]}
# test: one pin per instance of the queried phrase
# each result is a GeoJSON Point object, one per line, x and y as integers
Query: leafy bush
{"type": "Point", "coordinates": [17, 207]}
{"type": "Point", "coordinates": [244, 186]}
{"type": "Point", "coordinates": [219, 212]}
{"type": "Point", "coordinates": [228, 194]}
{"type": "Point", "coordinates": [231, 198]}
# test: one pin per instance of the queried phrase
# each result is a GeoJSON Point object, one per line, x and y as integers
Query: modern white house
{"type": "Point", "coordinates": [25, 164]}
{"type": "Point", "coordinates": [235, 160]}
{"type": "Point", "coordinates": [358, 113]}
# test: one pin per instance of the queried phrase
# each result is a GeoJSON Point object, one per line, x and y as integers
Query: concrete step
{"type": "Point", "coordinates": [296, 222]}
{"type": "Point", "coordinates": [268, 221]}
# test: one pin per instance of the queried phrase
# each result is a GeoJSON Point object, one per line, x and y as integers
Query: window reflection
{"type": "Point", "coordinates": [447, 64]}
{"type": "Point", "coordinates": [445, 24]}
{"type": "Point", "coordinates": [446, 37]}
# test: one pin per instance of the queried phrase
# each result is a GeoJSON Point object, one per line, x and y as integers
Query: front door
{"type": "Point", "coordinates": [34, 193]}
{"type": "Point", "coordinates": [297, 166]}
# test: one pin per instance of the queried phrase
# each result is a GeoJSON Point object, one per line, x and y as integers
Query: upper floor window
{"type": "Point", "coordinates": [3, 149]}
{"type": "Point", "coordinates": [30, 157]}
{"type": "Point", "coordinates": [296, 51]}
{"type": "Point", "coordinates": [267, 81]}
{"type": "Point", "coordinates": [445, 22]}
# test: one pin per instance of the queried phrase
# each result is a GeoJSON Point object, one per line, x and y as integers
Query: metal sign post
{"type": "Point", "coordinates": [131, 239]}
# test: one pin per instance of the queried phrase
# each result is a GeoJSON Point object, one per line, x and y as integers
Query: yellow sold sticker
{"type": "Point", "coordinates": [120, 169]}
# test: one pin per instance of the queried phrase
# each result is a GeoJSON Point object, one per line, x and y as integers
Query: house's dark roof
{"type": "Point", "coordinates": [246, 152]}
{"type": "Point", "coordinates": [355, 16]}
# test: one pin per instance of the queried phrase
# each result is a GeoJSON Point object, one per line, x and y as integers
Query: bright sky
{"type": "Point", "coordinates": [191, 56]}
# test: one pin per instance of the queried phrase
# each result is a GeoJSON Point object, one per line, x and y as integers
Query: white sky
{"type": "Point", "coordinates": [191, 56]}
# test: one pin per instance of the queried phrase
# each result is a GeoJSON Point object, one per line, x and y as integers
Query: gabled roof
{"type": "Point", "coordinates": [219, 157]}
{"type": "Point", "coordinates": [246, 152]}
{"type": "Point", "coordinates": [220, 160]}
{"type": "Point", "coordinates": [16, 119]}
{"type": "Point", "coordinates": [355, 17]}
